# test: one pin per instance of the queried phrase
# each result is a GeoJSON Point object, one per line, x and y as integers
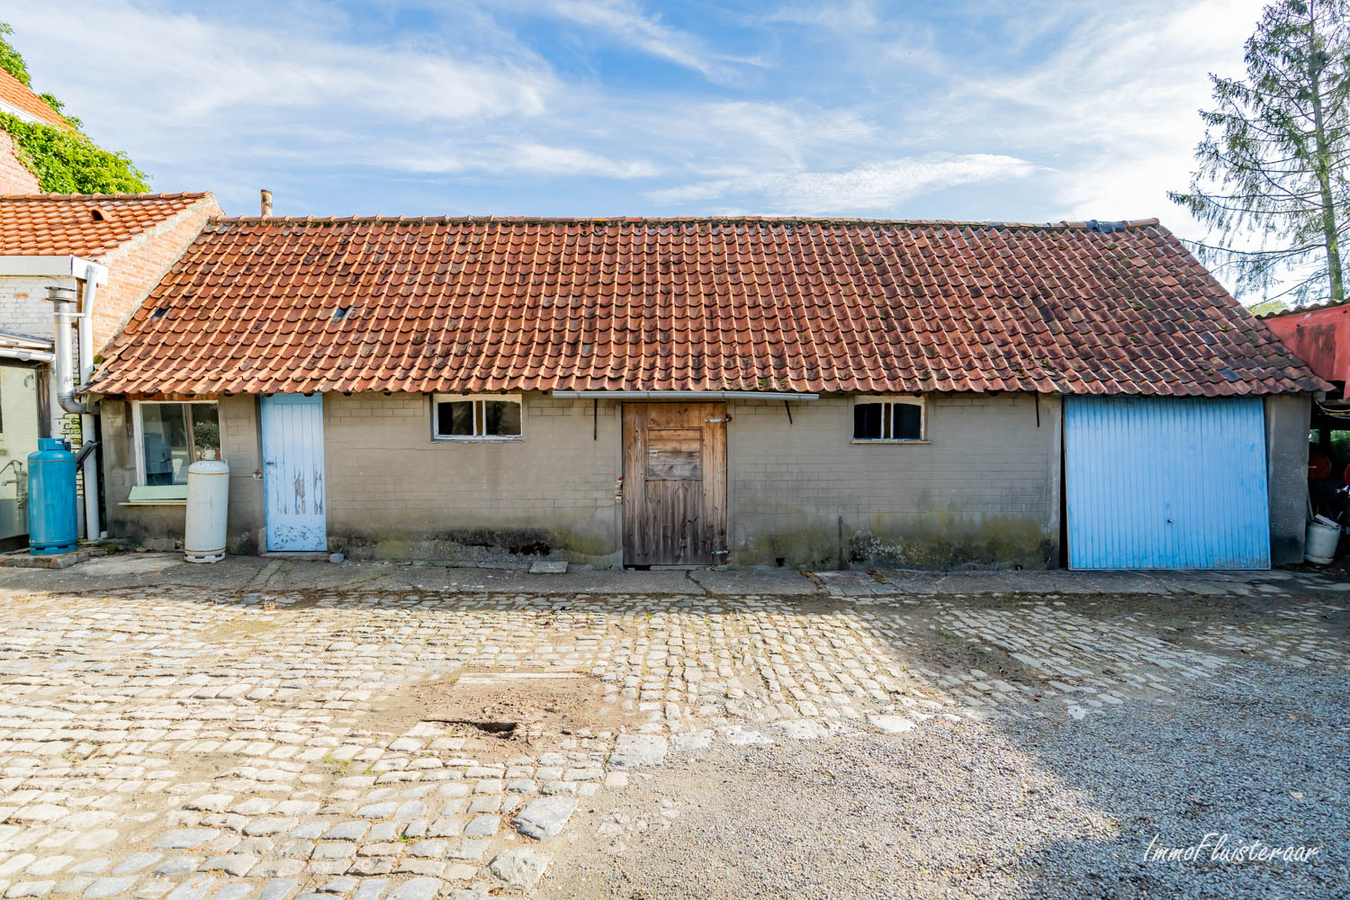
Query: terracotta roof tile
{"type": "Point", "coordinates": [16, 94]}
{"type": "Point", "coordinates": [86, 225]}
{"type": "Point", "coordinates": [482, 304]}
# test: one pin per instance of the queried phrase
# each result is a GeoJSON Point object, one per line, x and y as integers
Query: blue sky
{"type": "Point", "coordinates": [966, 109]}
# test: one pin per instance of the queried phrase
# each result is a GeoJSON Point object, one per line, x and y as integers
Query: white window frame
{"type": "Point", "coordinates": [138, 433]}
{"type": "Point", "coordinates": [438, 399]}
{"type": "Point", "coordinates": [918, 400]}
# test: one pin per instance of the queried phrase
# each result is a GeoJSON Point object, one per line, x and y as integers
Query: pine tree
{"type": "Point", "coordinates": [1272, 181]}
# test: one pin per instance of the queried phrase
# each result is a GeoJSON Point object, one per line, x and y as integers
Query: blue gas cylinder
{"type": "Point", "coordinates": [51, 498]}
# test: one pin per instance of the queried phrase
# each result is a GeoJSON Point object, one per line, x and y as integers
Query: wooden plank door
{"type": "Point", "coordinates": [293, 482]}
{"type": "Point", "coordinates": [674, 483]}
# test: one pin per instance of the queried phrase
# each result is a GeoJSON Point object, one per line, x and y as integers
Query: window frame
{"type": "Point", "coordinates": [138, 434]}
{"type": "Point", "coordinates": [919, 400]}
{"type": "Point", "coordinates": [478, 415]}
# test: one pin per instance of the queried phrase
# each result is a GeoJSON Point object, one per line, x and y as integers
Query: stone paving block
{"type": "Point", "coordinates": [346, 831]}
{"type": "Point", "coordinates": [638, 750]}
{"type": "Point", "coordinates": [279, 889]}
{"type": "Point", "coordinates": [520, 868]}
{"type": "Point", "coordinates": [340, 885]}
{"type": "Point", "coordinates": [277, 868]}
{"type": "Point", "coordinates": [545, 817]}
{"type": "Point", "coordinates": [186, 838]}
{"type": "Point", "coordinates": [236, 864]}
{"type": "Point", "coordinates": [233, 892]}
{"type": "Point", "coordinates": [370, 889]}
{"type": "Point", "coordinates": [416, 889]}
{"type": "Point", "coordinates": [109, 886]}
{"type": "Point", "coordinates": [137, 862]}
{"type": "Point", "coordinates": [372, 865]}
{"type": "Point", "coordinates": [469, 849]}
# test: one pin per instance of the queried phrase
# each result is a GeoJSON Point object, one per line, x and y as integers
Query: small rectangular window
{"type": "Point", "coordinates": [888, 420]}
{"type": "Point", "coordinates": [172, 436]}
{"type": "Point", "coordinates": [476, 418]}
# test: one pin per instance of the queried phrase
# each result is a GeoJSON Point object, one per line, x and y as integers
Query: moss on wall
{"type": "Point", "coordinates": [479, 545]}
{"type": "Point", "coordinates": [936, 541]}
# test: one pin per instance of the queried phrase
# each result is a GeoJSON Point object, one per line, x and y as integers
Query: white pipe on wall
{"type": "Point", "coordinates": [88, 426]}
{"type": "Point", "coordinates": [25, 355]}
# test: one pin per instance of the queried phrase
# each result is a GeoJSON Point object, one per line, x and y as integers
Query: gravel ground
{"type": "Point", "coordinates": [1035, 808]}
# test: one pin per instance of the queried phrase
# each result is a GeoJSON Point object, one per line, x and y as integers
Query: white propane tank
{"type": "Point", "coordinates": [208, 494]}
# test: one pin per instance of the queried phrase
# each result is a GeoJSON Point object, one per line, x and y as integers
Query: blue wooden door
{"type": "Point", "coordinates": [293, 483]}
{"type": "Point", "coordinates": [1166, 483]}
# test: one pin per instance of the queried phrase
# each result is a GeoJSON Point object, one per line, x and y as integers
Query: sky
{"type": "Point", "coordinates": [1032, 111]}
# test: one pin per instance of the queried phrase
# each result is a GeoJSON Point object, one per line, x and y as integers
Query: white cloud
{"type": "Point", "coordinates": [849, 16]}
{"type": "Point", "coordinates": [625, 21]}
{"type": "Point", "coordinates": [1114, 103]}
{"type": "Point", "coordinates": [525, 158]}
{"type": "Point", "coordinates": [1057, 109]}
{"type": "Point", "coordinates": [876, 186]}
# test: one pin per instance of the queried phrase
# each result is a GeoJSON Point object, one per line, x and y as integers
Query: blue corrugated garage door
{"type": "Point", "coordinates": [1166, 483]}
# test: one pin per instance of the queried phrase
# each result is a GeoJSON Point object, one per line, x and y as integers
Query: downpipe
{"type": "Point", "coordinates": [63, 303]}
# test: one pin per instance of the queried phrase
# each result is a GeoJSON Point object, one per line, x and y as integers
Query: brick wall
{"type": "Point", "coordinates": [24, 307]}
{"type": "Point", "coordinates": [137, 266]}
{"type": "Point", "coordinates": [15, 177]}
{"type": "Point", "coordinates": [984, 489]}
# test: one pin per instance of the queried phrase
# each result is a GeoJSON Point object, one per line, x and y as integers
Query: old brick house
{"type": "Point", "coordinates": [696, 391]}
{"type": "Point", "coordinates": [18, 101]}
{"type": "Point", "coordinates": [120, 244]}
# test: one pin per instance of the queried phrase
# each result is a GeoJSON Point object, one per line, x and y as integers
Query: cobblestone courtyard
{"type": "Point", "coordinates": [381, 740]}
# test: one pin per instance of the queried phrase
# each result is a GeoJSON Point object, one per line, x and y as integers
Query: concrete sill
{"type": "Point", "coordinates": [891, 443]}
{"type": "Point", "coordinates": [153, 503]}
{"type": "Point", "coordinates": [481, 439]}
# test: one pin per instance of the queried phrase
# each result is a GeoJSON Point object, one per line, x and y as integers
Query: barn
{"type": "Point", "coordinates": [647, 392]}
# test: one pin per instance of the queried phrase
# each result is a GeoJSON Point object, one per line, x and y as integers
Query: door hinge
{"type": "Point", "coordinates": [714, 420]}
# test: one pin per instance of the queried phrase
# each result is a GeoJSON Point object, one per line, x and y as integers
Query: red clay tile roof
{"type": "Point", "coordinates": [291, 305]}
{"type": "Point", "coordinates": [14, 93]}
{"type": "Point", "coordinates": [86, 225]}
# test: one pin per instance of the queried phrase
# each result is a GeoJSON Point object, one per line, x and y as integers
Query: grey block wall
{"type": "Point", "coordinates": [160, 526]}
{"type": "Point", "coordinates": [394, 492]}
{"type": "Point", "coordinates": [983, 491]}
{"type": "Point", "coordinates": [1288, 418]}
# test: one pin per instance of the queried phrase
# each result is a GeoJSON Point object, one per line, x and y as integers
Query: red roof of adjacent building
{"type": "Point", "coordinates": [86, 225]}
{"type": "Point", "coordinates": [485, 304]}
{"type": "Point", "coordinates": [16, 94]}
{"type": "Point", "coordinates": [1319, 335]}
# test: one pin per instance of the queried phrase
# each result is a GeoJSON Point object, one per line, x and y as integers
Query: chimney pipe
{"type": "Point", "coordinates": [266, 204]}
{"type": "Point", "coordinates": [63, 299]}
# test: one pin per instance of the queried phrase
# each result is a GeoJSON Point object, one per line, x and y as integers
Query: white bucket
{"type": "Point", "coordinates": [1322, 541]}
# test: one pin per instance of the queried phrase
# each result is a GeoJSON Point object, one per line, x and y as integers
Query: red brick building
{"type": "Point", "coordinates": [121, 245]}
{"type": "Point", "coordinates": [18, 101]}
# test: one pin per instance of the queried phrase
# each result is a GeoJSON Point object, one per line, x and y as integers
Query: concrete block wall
{"type": "Point", "coordinates": [15, 177]}
{"type": "Point", "coordinates": [393, 491]}
{"type": "Point", "coordinates": [982, 490]}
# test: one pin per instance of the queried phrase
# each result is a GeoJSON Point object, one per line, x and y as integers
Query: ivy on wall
{"type": "Point", "coordinates": [65, 162]}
